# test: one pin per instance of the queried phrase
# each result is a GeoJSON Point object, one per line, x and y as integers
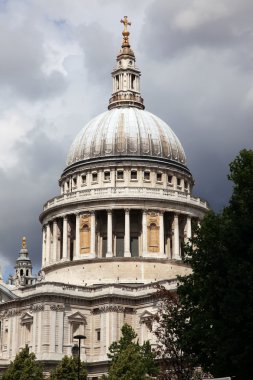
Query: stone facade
{"type": "Point", "coordinates": [117, 228]}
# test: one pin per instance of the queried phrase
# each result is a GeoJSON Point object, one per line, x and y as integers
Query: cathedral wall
{"type": "Point", "coordinates": [114, 271]}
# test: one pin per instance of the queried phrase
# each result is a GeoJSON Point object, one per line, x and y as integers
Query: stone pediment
{"type": "Point", "coordinates": [77, 317]}
{"type": "Point", "coordinates": [26, 318]}
{"type": "Point", "coordinates": [146, 316]}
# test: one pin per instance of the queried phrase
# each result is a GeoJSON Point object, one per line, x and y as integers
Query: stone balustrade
{"type": "Point", "coordinates": [126, 193]}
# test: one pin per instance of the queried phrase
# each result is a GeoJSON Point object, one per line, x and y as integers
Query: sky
{"type": "Point", "coordinates": [196, 58]}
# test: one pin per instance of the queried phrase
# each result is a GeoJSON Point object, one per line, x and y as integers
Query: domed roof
{"type": "Point", "coordinates": [126, 132]}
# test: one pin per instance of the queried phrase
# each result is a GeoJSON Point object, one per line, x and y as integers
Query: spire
{"type": "Point", "coordinates": [23, 264]}
{"type": "Point", "coordinates": [126, 76]}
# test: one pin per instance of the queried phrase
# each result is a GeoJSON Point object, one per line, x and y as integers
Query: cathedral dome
{"type": "Point", "coordinates": [126, 131]}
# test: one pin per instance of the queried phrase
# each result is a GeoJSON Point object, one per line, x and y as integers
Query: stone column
{"type": "Point", "coordinates": [93, 233]}
{"type": "Point", "coordinates": [55, 232]}
{"type": "Point", "coordinates": [188, 228]}
{"type": "Point", "coordinates": [77, 250]}
{"type": "Point", "coordinates": [34, 332]}
{"type": "Point", "coordinates": [52, 331]}
{"type": "Point", "coordinates": [127, 252]}
{"type": "Point", "coordinates": [161, 237]}
{"type": "Point", "coordinates": [144, 232]}
{"type": "Point", "coordinates": [109, 233]}
{"type": "Point", "coordinates": [48, 242]}
{"type": "Point", "coordinates": [175, 239]}
{"type": "Point", "coordinates": [44, 247]}
{"type": "Point", "coordinates": [65, 238]}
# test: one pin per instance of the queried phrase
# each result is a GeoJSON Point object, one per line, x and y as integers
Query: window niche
{"type": "Point", "coordinates": [170, 179]}
{"type": "Point", "coordinates": [74, 182]}
{"type": "Point", "coordinates": [77, 322]}
{"type": "Point", "coordinates": [134, 175]}
{"type": "Point", "coordinates": [98, 335]}
{"type": "Point", "coordinates": [146, 176]}
{"type": "Point", "coordinates": [94, 177]}
{"type": "Point", "coordinates": [159, 177]}
{"type": "Point", "coordinates": [84, 179]}
{"type": "Point", "coordinates": [107, 176]}
{"type": "Point", "coordinates": [120, 175]}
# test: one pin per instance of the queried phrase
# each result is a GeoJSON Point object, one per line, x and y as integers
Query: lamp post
{"type": "Point", "coordinates": [74, 351]}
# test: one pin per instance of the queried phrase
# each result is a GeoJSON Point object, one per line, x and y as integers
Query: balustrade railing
{"type": "Point", "coordinates": [127, 192]}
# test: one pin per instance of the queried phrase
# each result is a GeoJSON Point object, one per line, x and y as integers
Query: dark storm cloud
{"type": "Point", "coordinates": [197, 56]}
{"type": "Point", "coordinates": [196, 62]}
{"type": "Point", "coordinates": [25, 189]}
{"type": "Point", "coordinates": [183, 25]}
{"type": "Point", "coordinates": [22, 60]}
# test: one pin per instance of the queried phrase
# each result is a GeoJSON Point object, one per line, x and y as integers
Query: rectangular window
{"type": "Point", "coordinates": [134, 174]}
{"type": "Point", "coordinates": [94, 177]}
{"type": "Point", "coordinates": [170, 178]}
{"type": "Point", "coordinates": [120, 174]}
{"type": "Point", "coordinates": [159, 177]}
{"type": "Point", "coordinates": [107, 176]}
{"type": "Point", "coordinates": [84, 179]}
{"type": "Point", "coordinates": [74, 182]}
{"type": "Point", "coordinates": [146, 176]}
{"type": "Point", "coordinates": [178, 181]}
{"type": "Point", "coordinates": [98, 331]}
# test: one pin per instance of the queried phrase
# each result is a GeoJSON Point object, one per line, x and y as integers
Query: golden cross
{"type": "Point", "coordinates": [125, 22]}
{"type": "Point", "coordinates": [24, 242]}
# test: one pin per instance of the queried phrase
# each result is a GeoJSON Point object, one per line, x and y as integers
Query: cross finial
{"type": "Point", "coordinates": [125, 32]}
{"type": "Point", "coordinates": [23, 242]}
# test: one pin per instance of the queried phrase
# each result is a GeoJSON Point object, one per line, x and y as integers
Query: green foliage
{"type": "Point", "coordinates": [67, 369]}
{"type": "Point", "coordinates": [24, 367]}
{"type": "Point", "coordinates": [130, 360]}
{"type": "Point", "coordinates": [218, 295]}
{"type": "Point", "coordinates": [169, 325]}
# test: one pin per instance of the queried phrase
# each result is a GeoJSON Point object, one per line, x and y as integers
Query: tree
{"type": "Point", "coordinates": [218, 295]}
{"type": "Point", "coordinates": [130, 360]}
{"type": "Point", "coordinates": [67, 369]}
{"type": "Point", "coordinates": [168, 325]}
{"type": "Point", "coordinates": [24, 367]}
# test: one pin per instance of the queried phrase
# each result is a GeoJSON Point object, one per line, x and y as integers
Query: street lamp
{"type": "Point", "coordinates": [75, 348]}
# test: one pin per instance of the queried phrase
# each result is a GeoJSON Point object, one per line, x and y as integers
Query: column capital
{"type": "Point", "coordinates": [109, 211]}
{"type": "Point", "coordinates": [127, 210]}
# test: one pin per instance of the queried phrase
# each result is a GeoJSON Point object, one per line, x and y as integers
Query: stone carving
{"type": "Point", "coordinates": [41, 276]}
{"type": "Point", "coordinates": [108, 308]}
{"type": "Point", "coordinates": [35, 308]}
{"type": "Point", "coordinates": [10, 313]}
{"type": "Point", "coordinates": [57, 307]}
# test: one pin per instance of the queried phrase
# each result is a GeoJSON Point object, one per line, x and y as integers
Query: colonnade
{"type": "Point", "coordinates": [124, 82]}
{"type": "Point", "coordinates": [63, 239]}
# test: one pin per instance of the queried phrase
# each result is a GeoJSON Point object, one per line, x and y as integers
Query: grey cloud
{"type": "Point", "coordinates": [25, 188]}
{"type": "Point", "coordinates": [99, 48]}
{"type": "Point", "coordinates": [230, 29]}
{"type": "Point", "coordinates": [21, 64]}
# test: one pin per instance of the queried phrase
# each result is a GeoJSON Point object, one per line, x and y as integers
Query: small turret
{"type": "Point", "coordinates": [23, 267]}
{"type": "Point", "coordinates": [126, 76]}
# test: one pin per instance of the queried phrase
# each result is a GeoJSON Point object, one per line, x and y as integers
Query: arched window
{"type": "Point", "coordinates": [27, 272]}
{"type": "Point", "coordinates": [21, 272]}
